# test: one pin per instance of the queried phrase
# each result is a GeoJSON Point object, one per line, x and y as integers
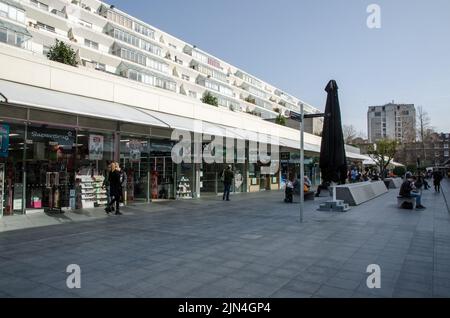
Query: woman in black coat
{"type": "Point", "coordinates": [115, 188]}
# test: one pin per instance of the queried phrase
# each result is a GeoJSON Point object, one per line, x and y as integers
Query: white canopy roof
{"type": "Point", "coordinates": [42, 98]}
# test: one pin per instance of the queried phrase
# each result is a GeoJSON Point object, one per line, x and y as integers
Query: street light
{"type": "Point", "coordinates": [301, 118]}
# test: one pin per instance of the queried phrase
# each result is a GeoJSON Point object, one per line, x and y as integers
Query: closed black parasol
{"type": "Point", "coordinates": [333, 161]}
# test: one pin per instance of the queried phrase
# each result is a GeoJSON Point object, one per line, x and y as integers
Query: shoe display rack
{"type": "Point", "coordinates": [184, 188]}
{"type": "Point", "coordinates": [91, 191]}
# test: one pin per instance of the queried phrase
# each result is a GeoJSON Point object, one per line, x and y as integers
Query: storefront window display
{"type": "Point", "coordinates": [135, 161]}
{"type": "Point", "coordinates": [162, 169]}
{"type": "Point", "coordinates": [12, 142]}
{"type": "Point", "coordinates": [185, 181]}
{"type": "Point", "coordinates": [50, 167]}
{"type": "Point", "coordinates": [95, 151]}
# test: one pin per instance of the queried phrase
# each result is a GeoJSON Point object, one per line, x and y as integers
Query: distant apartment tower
{"type": "Point", "coordinates": [392, 121]}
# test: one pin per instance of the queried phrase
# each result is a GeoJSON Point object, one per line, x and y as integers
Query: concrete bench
{"type": "Point", "coordinates": [358, 193]}
{"type": "Point", "coordinates": [310, 195]}
{"type": "Point", "coordinates": [393, 183]}
{"type": "Point", "coordinates": [401, 200]}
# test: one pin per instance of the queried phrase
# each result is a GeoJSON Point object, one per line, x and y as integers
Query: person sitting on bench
{"type": "Point", "coordinates": [407, 191]}
{"type": "Point", "coordinates": [289, 191]}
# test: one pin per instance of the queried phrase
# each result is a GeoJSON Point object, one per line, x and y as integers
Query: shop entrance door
{"type": "Point", "coordinates": [210, 183]}
{"type": "Point", "coordinates": [135, 161]}
{"type": "Point", "coordinates": [161, 178]}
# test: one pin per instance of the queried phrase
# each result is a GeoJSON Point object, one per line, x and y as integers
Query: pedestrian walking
{"type": "Point", "coordinates": [115, 188]}
{"type": "Point", "coordinates": [227, 176]}
{"type": "Point", "coordinates": [437, 178]}
{"type": "Point", "coordinates": [105, 184]}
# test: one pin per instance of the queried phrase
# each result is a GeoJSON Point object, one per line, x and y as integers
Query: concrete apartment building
{"type": "Point", "coordinates": [392, 121]}
{"type": "Point", "coordinates": [134, 85]}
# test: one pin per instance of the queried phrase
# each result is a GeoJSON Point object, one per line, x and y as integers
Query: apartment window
{"type": "Point", "coordinates": [40, 5]}
{"type": "Point", "coordinates": [144, 30]}
{"type": "Point", "coordinates": [445, 146]}
{"type": "Point", "coordinates": [377, 114]}
{"type": "Point", "coordinates": [125, 37]}
{"type": "Point", "coordinates": [405, 113]}
{"type": "Point", "coordinates": [4, 9]}
{"type": "Point", "coordinates": [132, 56]}
{"type": "Point", "coordinates": [185, 77]}
{"type": "Point", "coordinates": [437, 154]}
{"type": "Point", "coordinates": [162, 83]}
{"type": "Point", "coordinates": [206, 59]}
{"type": "Point", "coordinates": [251, 80]}
{"type": "Point", "coordinates": [11, 12]}
{"type": "Point", "coordinates": [212, 73]}
{"type": "Point", "coordinates": [91, 44]}
{"type": "Point", "coordinates": [178, 60]}
{"type": "Point", "coordinates": [162, 67]}
{"type": "Point", "coordinates": [257, 92]}
{"type": "Point", "coordinates": [151, 48]}
{"type": "Point", "coordinates": [85, 24]}
{"type": "Point", "coordinates": [45, 50]}
{"type": "Point", "coordinates": [446, 153]}
{"type": "Point", "coordinates": [193, 94]}
{"type": "Point", "coordinates": [46, 27]}
{"type": "Point", "coordinates": [119, 19]}
{"type": "Point", "coordinates": [12, 37]}
{"type": "Point", "coordinates": [3, 35]}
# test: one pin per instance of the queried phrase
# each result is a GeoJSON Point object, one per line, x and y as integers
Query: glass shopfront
{"type": "Point", "coordinates": [12, 143]}
{"type": "Point", "coordinates": [162, 169]}
{"type": "Point", "coordinates": [53, 167]}
{"type": "Point", "coordinates": [50, 167]}
{"type": "Point", "coordinates": [95, 151]}
{"type": "Point", "coordinates": [135, 161]}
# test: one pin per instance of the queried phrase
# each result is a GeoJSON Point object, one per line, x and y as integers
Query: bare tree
{"type": "Point", "coordinates": [423, 120]}
{"type": "Point", "coordinates": [424, 128]}
{"type": "Point", "coordinates": [349, 132]}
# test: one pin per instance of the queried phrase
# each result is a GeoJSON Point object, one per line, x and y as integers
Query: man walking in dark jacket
{"type": "Point", "coordinates": [228, 176]}
{"type": "Point", "coordinates": [115, 188]}
{"type": "Point", "coordinates": [437, 178]}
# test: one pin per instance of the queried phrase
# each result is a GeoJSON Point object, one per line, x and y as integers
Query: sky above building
{"type": "Point", "coordinates": [299, 45]}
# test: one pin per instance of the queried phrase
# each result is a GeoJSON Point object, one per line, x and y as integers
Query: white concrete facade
{"type": "Point", "coordinates": [76, 21]}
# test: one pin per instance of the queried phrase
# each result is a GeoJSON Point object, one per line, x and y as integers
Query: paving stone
{"type": "Point", "coordinates": [253, 247]}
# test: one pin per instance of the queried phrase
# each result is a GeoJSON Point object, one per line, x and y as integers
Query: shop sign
{"type": "Point", "coordinates": [96, 147]}
{"type": "Point", "coordinates": [63, 138]}
{"type": "Point", "coordinates": [4, 140]}
{"type": "Point", "coordinates": [135, 147]}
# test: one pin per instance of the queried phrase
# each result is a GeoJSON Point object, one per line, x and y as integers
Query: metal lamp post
{"type": "Point", "coordinates": [302, 159]}
{"type": "Point", "coordinates": [301, 118]}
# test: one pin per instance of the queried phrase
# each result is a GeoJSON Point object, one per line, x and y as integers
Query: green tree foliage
{"type": "Point", "coordinates": [383, 153]}
{"type": "Point", "coordinates": [280, 120]}
{"type": "Point", "coordinates": [208, 98]}
{"type": "Point", "coordinates": [62, 53]}
{"type": "Point", "coordinates": [399, 171]}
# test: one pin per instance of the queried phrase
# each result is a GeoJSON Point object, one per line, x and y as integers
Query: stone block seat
{"type": "Point", "coordinates": [358, 193]}
{"type": "Point", "coordinates": [310, 195]}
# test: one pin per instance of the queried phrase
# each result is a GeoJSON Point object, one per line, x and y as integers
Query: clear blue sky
{"type": "Point", "coordinates": [298, 45]}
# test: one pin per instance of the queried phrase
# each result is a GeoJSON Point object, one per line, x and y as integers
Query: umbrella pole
{"type": "Point", "coordinates": [302, 159]}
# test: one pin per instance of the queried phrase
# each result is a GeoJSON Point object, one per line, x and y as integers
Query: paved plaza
{"type": "Point", "coordinates": [253, 246]}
